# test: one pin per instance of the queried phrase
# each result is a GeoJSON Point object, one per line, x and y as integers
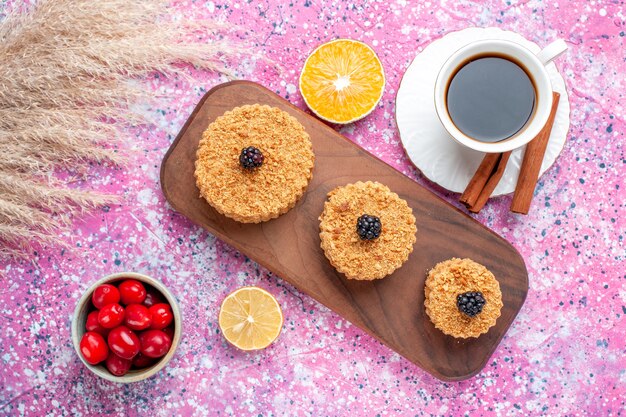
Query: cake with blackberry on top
{"type": "Point", "coordinates": [463, 298]}
{"type": "Point", "coordinates": [366, 231]}
{"type": "Point", "coordinates": [253, 163]}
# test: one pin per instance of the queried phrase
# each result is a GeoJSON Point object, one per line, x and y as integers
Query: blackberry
{"type": "Point", "coordinates": [470, 303]}
{"type": "Point", "coordinates": [251, 158]}
{"type": "Point", "coordinates": [368, 227]}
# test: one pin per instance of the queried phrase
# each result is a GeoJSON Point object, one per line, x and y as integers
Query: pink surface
{"type": "Point", "coordinates": [565, 354]}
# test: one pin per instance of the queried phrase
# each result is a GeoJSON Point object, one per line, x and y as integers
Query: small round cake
{"type": "Point", "coordinates": [463, 298]}
{"type": "Point", "coordinates": [254, 163]}
{"type": "Point", "coordinates": [367, 231]}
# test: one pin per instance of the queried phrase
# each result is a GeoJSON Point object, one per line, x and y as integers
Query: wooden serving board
{"type": "Point", "coordinates": [391, 309]}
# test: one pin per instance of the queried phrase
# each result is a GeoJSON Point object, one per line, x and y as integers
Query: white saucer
{"type": "Point", "coordinates": [433, 151]}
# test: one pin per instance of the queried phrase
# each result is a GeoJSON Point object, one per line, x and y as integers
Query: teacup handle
{"type": "Point", "coordinates": [552, 51]}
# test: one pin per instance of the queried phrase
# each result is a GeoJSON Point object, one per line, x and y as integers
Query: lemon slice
{"type": "Point", "coordinates": [342, 81]}
{"type": "Point", "coordinates": [250, 318]}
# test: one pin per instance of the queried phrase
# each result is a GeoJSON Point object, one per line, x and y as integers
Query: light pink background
{"type": "Point", "coordinates": [564, 354]}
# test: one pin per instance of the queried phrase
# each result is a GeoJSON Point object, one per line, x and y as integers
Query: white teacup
{"type": "Point", "coordinates": [534, 65]}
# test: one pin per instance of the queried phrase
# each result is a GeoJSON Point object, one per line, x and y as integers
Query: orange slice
{"type": "Point", "coordinates": [342, 81]}
{"type": "Point", "coordinates": [250, 318]}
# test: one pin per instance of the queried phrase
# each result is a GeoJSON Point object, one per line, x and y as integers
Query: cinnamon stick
{"type": "Point", "coordinates": [531, 165]}
{"type": "Point", "coordinates": [491, 183]}
{"type": "Point", "coordinates": [478, 181]}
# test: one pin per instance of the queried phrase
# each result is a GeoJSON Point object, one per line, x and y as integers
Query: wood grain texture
{"type": "Point", "coordinates": [391, 309]}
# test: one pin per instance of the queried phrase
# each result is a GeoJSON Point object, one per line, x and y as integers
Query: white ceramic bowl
{"type": "Point", "coordinates": [80, 318]}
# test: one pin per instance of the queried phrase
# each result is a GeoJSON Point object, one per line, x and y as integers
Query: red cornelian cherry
{"type": "Point", "coordinates": [124, 342]}
{"type": "Point", "coordinates": [137, 317]}
{"type": "Point", "coordinates": [93, 348]}
{"type": "Point", "coordinates": [154, 343]}
{"type": "Point", "coordinates": [117, 365]}
{"type": "Point", "coordinates": [104, 295]}
{"type": "Point", "coordinates": [132, 292]}
{"type": "Point", "coordinates": [162, 316]}
{"type": "Point", "coordinates": [111, 316]}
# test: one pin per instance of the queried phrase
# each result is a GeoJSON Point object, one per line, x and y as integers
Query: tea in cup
{"type": "Point", "coordinates": [495, 95]}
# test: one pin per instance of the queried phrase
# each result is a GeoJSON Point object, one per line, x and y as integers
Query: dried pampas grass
{"type": "Point", "coordinates": [65, 67]}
